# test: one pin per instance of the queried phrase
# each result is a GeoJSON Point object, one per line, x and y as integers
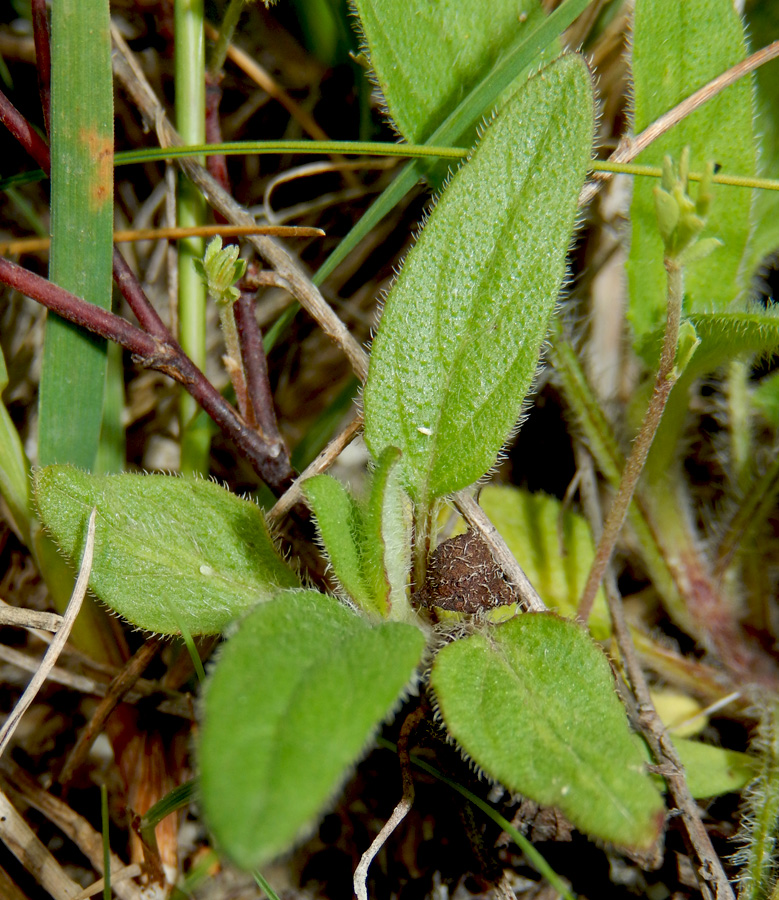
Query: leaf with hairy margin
{"type": "Point", "coordinates": [170, 553]}
{"type": "Point", "coordinates": [290, 705]}
{"type": "Point", "coordinates": [461, 331]}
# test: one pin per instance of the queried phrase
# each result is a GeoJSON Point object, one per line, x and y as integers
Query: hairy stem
{"type": "Point", "coordinates": [664, 382]}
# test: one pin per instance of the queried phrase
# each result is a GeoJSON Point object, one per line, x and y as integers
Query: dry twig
{"type": "Point", "coordinates": [55, 647]}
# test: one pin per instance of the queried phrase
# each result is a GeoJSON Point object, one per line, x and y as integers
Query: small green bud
{"type": "Point", "coordinates": [220, 269]}
{"type": "Point", "coordinates": [669, 175]}
{"type": "Point", "coordinates": [684, 168]}
{"type": "Point", "coordinates": [699, 250]}
{"type": "Point", "coordinates": [680, 219]}
{"type": "Point", "coordinates": [667, 210]}
{"type": "Point", "coordinates": [685, 347]}
{"type": "Point", "coordinates": [705, 195]}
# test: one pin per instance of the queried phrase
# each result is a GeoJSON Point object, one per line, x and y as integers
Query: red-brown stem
{"type": "Point", "coordinates": [42, 38]}
{"type": "Point", "coordinates": [256, 370]}
{"type": "Point", "coordinates": [156, 349]}
{"type": "Point", "coordinates": [27, 136]}
{"type": "Point", "coordinates": [664, 382]}
{"type": "Point", "coordinates": [137, 300]}
{"type": "Point", "coordinates": [216, 165]}
{"type": "Point", "coordinates": [157, 354]}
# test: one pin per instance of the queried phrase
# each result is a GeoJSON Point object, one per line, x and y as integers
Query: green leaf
{"type": "Point", "coordinates": [677, 48]}
{"type": "Point", "coordinates": [459, 46]}
{"type": "Point", "coordinates": [553, 545]}
{"type": "Point", "coordinates": [14, 468]}
{"type": "Point", "coordinates": [82, 146]}
{"type": "Point", "coordinates": [712, 771]}
{"type": "Point", "coordinates": [292, 702]}
{"type": "Point", "coordinates": [368, 543]}
{"type": "Point", "coordinates": [341, 527]}
{"type": "Point", "coordinates": [170, 553]}
{"type": "Point", "coordinates": [723, 337]}
{"type": "Point", "coordinates": [387, 548]}
{"type": "Point", "coordinates": [471, 111]}
{"type": "Point", "coordinates": [462, 328]}
{"type": "Point", "coordinates": [762, 25]}
{"type": "Point", "coordinates": [532, 702]}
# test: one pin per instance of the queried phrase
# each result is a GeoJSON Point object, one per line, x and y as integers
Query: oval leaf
{"type": "Point", "coordinates": [532, 701]}
{"type": "Point", "coordinates": [171, 554]}
{"type": "Point", "coordinates": [292, 701]}
{"type": "Point", "coordinates": [462, 328]}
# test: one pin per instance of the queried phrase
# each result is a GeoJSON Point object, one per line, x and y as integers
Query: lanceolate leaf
{"type": "Point", "coordinates": [532, 701]}
{"type": "Point", "coordinates": [458, 43]}
{"type": "Point", "coordinates": [462, 328]}
{"type": "Point", "coordinates": [170, 553]}
{"type": "Point", "coordinates": [292, 702]}
{"type": "Point", "coordinates": [677, 48]}
{"type": "Point", "coordinates": [388, 535]}
{"type": "Point", "coordinates": [341, 528]}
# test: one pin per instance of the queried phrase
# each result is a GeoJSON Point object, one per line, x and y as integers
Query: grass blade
{"type": "Point", "coordinates": [74, 363]}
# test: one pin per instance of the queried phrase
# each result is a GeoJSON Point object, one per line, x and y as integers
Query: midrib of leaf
{"type": "Point", "coordinates": [546, 725]}
{"type": "Point", "coordinates": [455, 372]}
{"type": "Point", "coordinates": [74, 363]}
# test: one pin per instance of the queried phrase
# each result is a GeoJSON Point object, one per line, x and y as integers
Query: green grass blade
{"type": "Point", "coordinates": [74, 363]}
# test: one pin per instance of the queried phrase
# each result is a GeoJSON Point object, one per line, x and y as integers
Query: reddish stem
{"type": "Point", "coordinates": [155, 349]}
{"type": "Point", "coordinates": [255, 367]}
{"type": "Point", "coordinates": [157, 354]}
{"type": "Point", "coordinates": [27, 136]}
{"type": "Point", "coordinates": [42, 38]}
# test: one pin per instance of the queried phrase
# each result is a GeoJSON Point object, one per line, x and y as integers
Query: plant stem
{"type": "Point", "coordinates": [191, 210]}
{"type": "Point", "coordinates": [664, 382]}
{"type": "Point", "coordinates": [41, 36]}
{"type": "Point", "coordinates": [255, 367]}
{"type": "Point", "coordinates": [232, 361]}
{"type": "Point", "coordinates": [229, 23]}
{"type": "Point", "coordinates": [155, 353]}
{"type": "Point", "coordinates": [652, 728]}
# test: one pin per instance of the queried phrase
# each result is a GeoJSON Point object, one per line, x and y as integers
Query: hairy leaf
{"type": "Point", "coordinates": [388, 536]}
{"type": "Point", "coordinates": [170, 553]}
{"type": "Point", "coordinates": [676, 49]}
{"type": "Point", "coordinates": [532, 701]}
{"type": "Point", "coordinates": [723, 337]}
{"type": "Point", "coordinates": [462, 328]}
{"type": "Point", "coordinates": [341, 527]}
{"type": "Point", "coordinates": [459, 46]}
{"type": "Point", "coordinates": [292, 702]}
